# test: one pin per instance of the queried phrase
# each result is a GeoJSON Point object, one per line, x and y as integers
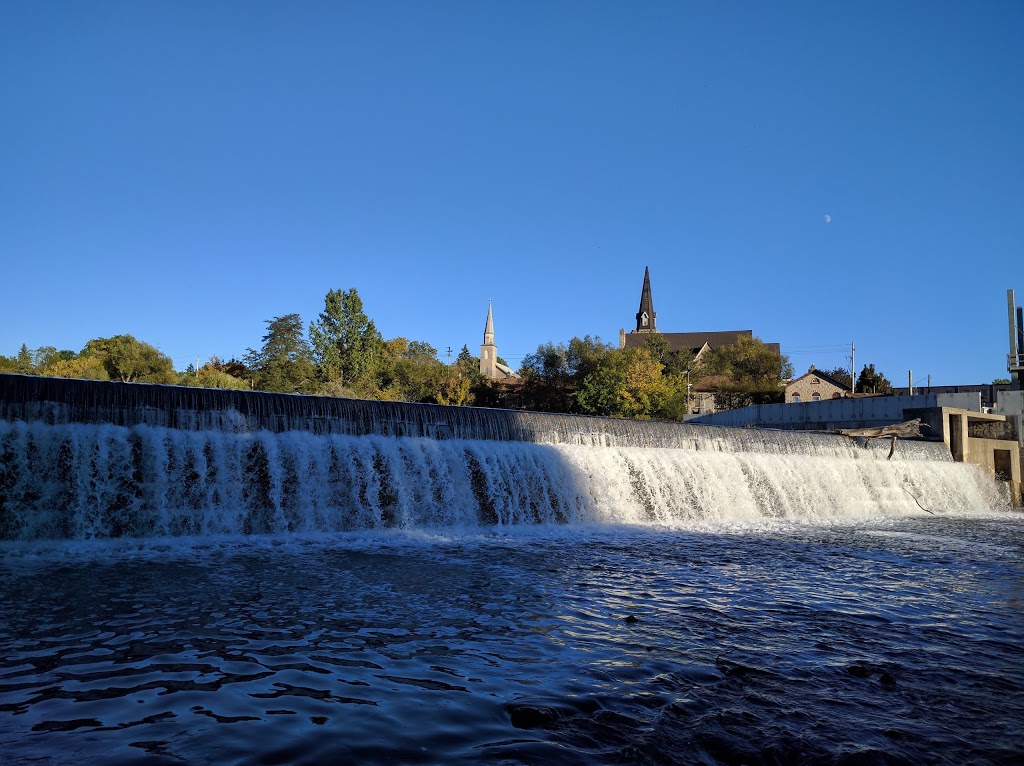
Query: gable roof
{"type": "Point", "coordinates": [824, 376]}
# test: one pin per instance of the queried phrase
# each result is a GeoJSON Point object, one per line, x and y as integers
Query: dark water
{"type": "Point", "coordinates": [878, 642]}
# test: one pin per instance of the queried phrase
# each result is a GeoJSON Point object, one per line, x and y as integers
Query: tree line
{"type": "Point", "coordinates": [588, 377]}
{"type": "Point", "coordinates": [341, 353]}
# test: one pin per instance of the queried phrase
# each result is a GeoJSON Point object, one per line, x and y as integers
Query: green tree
{"type": "Point", "coordinates": [410, 371]}
{"type": "Point", "coordinates": [674, 362]}
{"type": "Point", "coordinates": [465, 385]}
{"type": "Point", "coordinates": [130, 360]}
{"type": "Point", "coordinates": [83, 366]}
{"type": "Point", "coordinates": [346, 344]}
{"type": "Point", "coordinates": [47, 356]}
{"type": "Point", "coordinates": [872, 382]}
{"type": "Point", "coordinates": [547, 377]}
{"type": "Point", "coordinates": [601, 390]}
{"type": "Point", "coordinates": [598, 376]}
{"type": "Point", "coordinates": [24, 363]}
{"type": "Point", "coordinates": [749, 365]}
{"type": "Point", "coordinates": [841, 375]}
{"type": "Point", "coordinates": [646, 391]}
{"type": "Point", "coordinates": [466, 359]}
{"type": "Point", "coordinates": [213, 374]}
{"type": "Point", "coordinates": [285, 362]}
{"type": "Point", "coordinates": [234, 367]}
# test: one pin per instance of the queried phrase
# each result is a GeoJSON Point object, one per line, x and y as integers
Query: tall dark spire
{"type": "Point", "coordinates": [646, 315]}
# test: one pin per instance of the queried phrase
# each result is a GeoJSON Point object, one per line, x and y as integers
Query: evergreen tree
{"type": "Point", "coordinates": [841, 375]}
{"type": "Point", "coordinates": [347, 347]}
{"type": "Point", "coordinates": [24, 362]}
{"type": "Point", "coordinates": [466, 360]}
{"type": "Point", "coordinates": [872, 382]}
{"type": "Point", "coordinates": [285, 362]}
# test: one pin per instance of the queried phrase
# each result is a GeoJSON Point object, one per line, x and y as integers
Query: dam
{"type": "Point", "coordinates": [192, 576]}
{"type": "Point", "coordinates": [92, 460]}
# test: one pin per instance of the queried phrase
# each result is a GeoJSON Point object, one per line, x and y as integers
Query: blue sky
{"type": "Point", "coordinates": [184, 171]}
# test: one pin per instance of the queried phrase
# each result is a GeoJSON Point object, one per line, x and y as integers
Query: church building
{"type": "Point", "coordinates": [696, 342]}
{"type": "Point", "coordinates": [490, 367]}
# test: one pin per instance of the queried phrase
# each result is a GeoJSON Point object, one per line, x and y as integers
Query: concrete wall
{"type": "Point", "coordinates": [831, 414]}
{"type": "Point", "coordinates": [1011, 404]}
{"type": "Point", "coordinates": [989, 452]}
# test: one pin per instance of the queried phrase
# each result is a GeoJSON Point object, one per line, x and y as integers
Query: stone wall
{"type": "Point", "coordinates": [809, 385]}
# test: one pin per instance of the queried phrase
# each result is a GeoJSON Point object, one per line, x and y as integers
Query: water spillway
{"type": "Point", "coordinates": [88, 459]}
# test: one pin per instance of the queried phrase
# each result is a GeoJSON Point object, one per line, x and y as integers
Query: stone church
{"type": "Point", "coordinates": [696, 342]}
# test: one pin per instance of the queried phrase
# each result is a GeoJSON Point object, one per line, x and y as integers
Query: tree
{"type": "Point", "coordinates": [130, 360]}
{"type": "Point", "coordinates": [1001, 382]}
{"type": "Point", "coordinates": [645, 391]}
{"type": "Point", "coordinates": [841, 375]}
{"type": "Point", "coordinates": [24, 362]}
{"type": "Point", "coordinates": [547, 377]}
{"type": "Point", "coordinates": [285, 362]}
{"type": "Point", "coordinates": [346, 344]}
{"type": "Point", "coordinates": [674, 362]}
{"type": "Point", "coordinates": [410, 371]}
{"type": "Point", "coordinates": [82, 366]}
{"type": "Point", "coordinates": [601, 389]}
{"type": "Point", "coordinates": [749, 365]}
{"type": "Point", "coordinates": [233, 367]}
{"type": "Point", "coordinates": [871, 382]}
{"type": "Point", "coordinates": [466, 359]}
{"type": "Point", "coordinates": [214, 374]}
{"type": "Point", "coordinates": [46, 357]}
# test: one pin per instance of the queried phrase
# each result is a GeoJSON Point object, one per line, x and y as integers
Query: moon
{"type": "Point", "coordinates": [828, 219]}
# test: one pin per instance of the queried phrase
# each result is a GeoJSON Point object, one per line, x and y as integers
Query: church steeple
{"type": "Point", "coordinates": [488, 351]}
{"type": "Point", "coordinates": [646, 315]}
{"type": "Point", "coordinates": [489, 327]}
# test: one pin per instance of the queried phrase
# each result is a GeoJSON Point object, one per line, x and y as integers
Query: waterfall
{"type": "Point", "coordinates": [86, 460]}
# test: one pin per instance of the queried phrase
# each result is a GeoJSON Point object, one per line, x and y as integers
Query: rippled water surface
{"type": "Point", "coordinates": [887, 642]}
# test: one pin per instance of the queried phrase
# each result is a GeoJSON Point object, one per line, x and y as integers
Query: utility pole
{"type": "Point", "coordinates": [853, 367]}
{"type": "Point", "coordinates": [449, 356]}
{"type": "Point", "coordinates": [910, 381]}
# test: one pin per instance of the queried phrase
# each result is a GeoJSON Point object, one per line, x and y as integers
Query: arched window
{"type": "Point", "coordinates": [643, 319]}
{"type": "Point", "coordinates": [837, 395]}
{"type": "Point", "coordinates": [815, 397]}
{"type": "Point", "coordinates": [796, 398]}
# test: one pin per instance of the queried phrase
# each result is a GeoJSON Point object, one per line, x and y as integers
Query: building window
{"type": "Point", "coordinates": [837, 395]}
{"type": "Point", "coordinates": [815, 381]}
{"type": "Point", "coordinates": [815, 397]}
{"type": "Point", "coordinates": [643, 319]}
{"type": "Point", "coordinates": [796, 398]}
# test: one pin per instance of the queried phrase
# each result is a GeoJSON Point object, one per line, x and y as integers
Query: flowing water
{"type": "Point", "coordinates": [872, 642]}
{"type": "Point", "coordinates": [204, 583]}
